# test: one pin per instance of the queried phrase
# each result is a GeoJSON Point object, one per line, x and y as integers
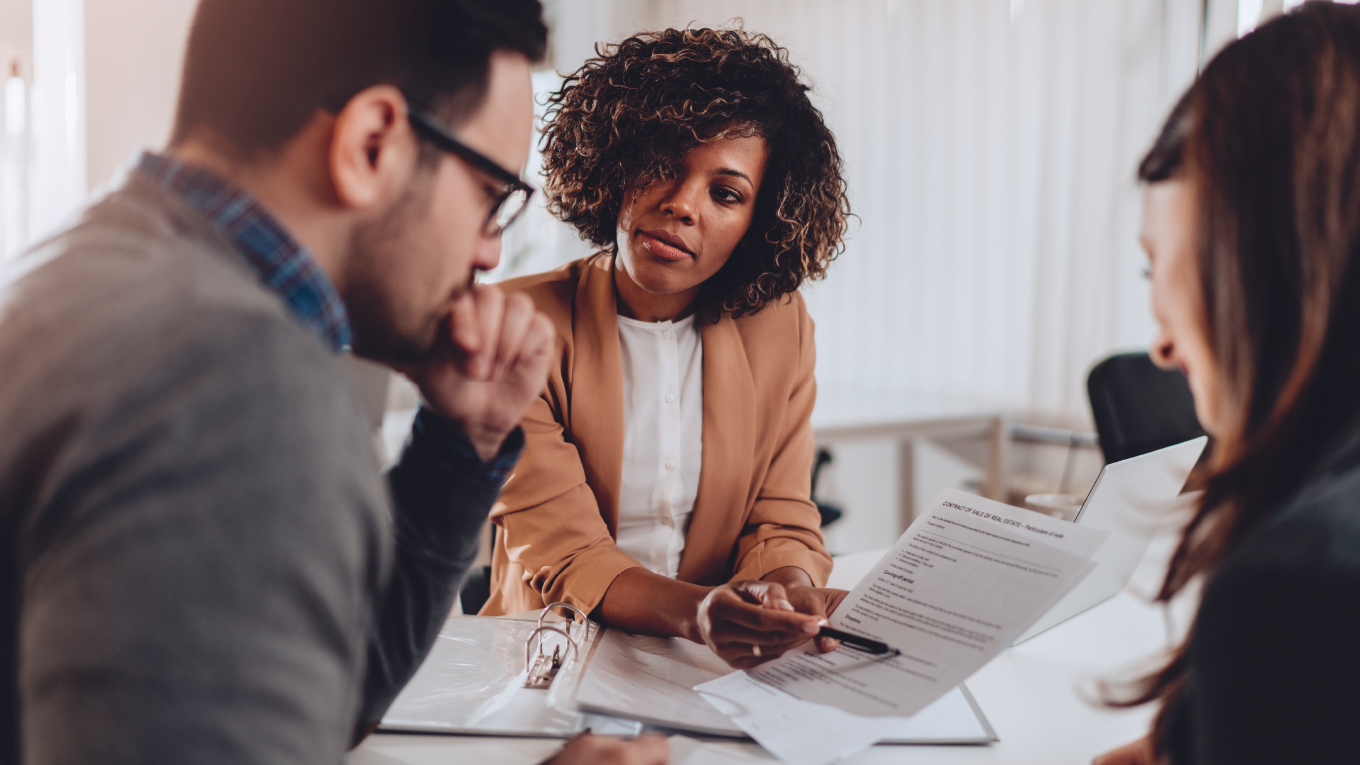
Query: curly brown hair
{"type": "Point", "coordinates": [625, 119]}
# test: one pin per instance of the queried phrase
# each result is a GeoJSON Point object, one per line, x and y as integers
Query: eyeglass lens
{"type": "Point", "coordinates": [508, 210]}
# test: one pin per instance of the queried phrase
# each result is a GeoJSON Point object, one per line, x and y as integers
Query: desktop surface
{"type": "Point", "coordinates": [1038, 696]}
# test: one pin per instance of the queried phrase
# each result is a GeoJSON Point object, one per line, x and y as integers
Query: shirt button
{"type": "Point", "coordinates": [670, 397]}
{"type": "Point", "coordinates": [670, 464]}
{"type": "Point", "coordinates": [666, 334]}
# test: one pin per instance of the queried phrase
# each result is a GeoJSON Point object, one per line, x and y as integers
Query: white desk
{"type": "Point", "coordinates": [1032, 694]}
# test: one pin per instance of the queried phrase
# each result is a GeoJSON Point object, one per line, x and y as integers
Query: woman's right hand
{"type": "Point", "coordinates": [749, 622]}
{"type": "Point", "coordinates": [1137, 753]}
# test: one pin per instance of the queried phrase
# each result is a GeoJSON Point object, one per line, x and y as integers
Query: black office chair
{"type": "Point", "coordinates": [476, 588]}
{"type": "Point", "coordinates": [1138, 407]}
{"type": "Point", "coordinates": [830, 513]}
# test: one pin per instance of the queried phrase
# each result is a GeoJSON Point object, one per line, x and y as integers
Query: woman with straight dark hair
{"type": "Point", "coordinates": [1252, 228]}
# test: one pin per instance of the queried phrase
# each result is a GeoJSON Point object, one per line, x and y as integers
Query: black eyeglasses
{"type": "Point", "coordinates": [512, 199]}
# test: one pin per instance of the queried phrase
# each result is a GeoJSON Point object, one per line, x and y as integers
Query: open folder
{"type": "Point", "coordinates": [472, 683]}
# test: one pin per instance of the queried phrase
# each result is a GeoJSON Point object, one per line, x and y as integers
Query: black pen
{"type": "Point", "coordinates": [855, 641]}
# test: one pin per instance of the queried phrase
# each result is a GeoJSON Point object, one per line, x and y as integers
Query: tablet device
{"type": "Point", "coordinates": [1129, 499]}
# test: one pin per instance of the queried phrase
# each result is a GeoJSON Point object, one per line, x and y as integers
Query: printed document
{"type": "Point", "coordinates": [967, 578]}
{"type": "Point", "coordinates": [651, 679]}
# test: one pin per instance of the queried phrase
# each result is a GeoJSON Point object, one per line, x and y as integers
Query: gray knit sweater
{"type": "Point", "coordinates": [199, 559]}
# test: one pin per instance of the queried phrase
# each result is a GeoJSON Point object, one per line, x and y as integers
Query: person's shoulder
{"type": "Point", "coordinates": [782, 323]}
{"type": "Point", "coordinates": [1323, 522]}
{"type": "Point", "coordinates": [1316, 533]}
{"type": "Point", "coordinates": [777, 343]}
{"type": "Point", "coordinates": [134, 281]}
{"type": "Point", "coordinates": [1270, 673]}
{"type": "Point", "coordinates": [554, 292]}
{"type": "Point", "coordinates": [171, 328]}
{"type": "Point", "coordinates": [562, 280]}
{"type": "Point", "coordinates": [1290, 583]}
{"type": "Point", "coordinates": [137, 255]}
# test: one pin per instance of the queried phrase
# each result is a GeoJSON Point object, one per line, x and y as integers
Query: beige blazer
{"type": "Point", "coordinates": [753, 514]}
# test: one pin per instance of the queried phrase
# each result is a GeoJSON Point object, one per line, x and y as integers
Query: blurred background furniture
{"type": "Point", "coordinates": [895, 449]}
{"type": "Point", "coordinates": [830, 513]}
{"type": "Point", "coordinates": [1139, 408]}
{"type": "Point", "coordinates": [477, 587]}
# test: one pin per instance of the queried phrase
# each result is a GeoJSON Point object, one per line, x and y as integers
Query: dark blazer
{"type": "Point", "coordinates": [1274, 673]}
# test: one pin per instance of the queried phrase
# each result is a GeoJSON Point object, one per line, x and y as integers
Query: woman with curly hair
{"type": "Point", "coordinates": [664, 487]}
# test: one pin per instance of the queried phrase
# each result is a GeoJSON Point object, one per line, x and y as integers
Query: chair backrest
{"type": "Point", "coordinates": [1139, 408]}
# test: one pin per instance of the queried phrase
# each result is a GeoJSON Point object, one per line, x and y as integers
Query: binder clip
{"type": "Point", "coordinates": [542, 668]}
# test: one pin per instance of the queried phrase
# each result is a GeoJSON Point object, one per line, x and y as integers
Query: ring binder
{"type": "Point", "coordinates": [542, 669]}
{"type": "Point", "coordinates": [472, 683]}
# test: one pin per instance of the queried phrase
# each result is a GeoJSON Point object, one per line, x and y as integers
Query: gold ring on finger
{"type": "Point", "coordinates": [755, 651]}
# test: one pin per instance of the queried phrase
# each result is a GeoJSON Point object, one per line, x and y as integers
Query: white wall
{"type": "Point", "coordinates": [58, 114]}
{"type": "Point", "coordinates": [991, 161]}
{"type": "Point", "coordinates": [16, 178]}
{"type": "Point", "coordinates": [133, 53]}
{"type": "Point", "coordinates": [990, 157]}
{"type": "Point", "coordinates": [16, 35]}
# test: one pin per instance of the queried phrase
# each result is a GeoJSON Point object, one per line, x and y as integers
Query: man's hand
{"type": "Point", "coordinates": [749, 622]}
{"type": "Point", "coordinates": [607, 750]}
{"type": "Point", "coordinates": [489, 363]}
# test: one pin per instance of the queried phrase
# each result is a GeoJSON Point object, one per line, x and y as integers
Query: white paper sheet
{"type": "Point", "coordinates": [798, 732]}
{"type": "Point", "coordinates": [651, 679]}
{"type": "Point", "coordinates": [966, 578]}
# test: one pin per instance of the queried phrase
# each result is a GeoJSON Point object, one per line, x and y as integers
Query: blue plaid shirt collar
{"type": "Point", "coordinates": [282, 264]}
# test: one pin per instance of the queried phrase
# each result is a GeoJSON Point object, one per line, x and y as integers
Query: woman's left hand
{"type": "Point", "coordinates": [748, 623]}
{"type": "Point", "coordinates": [817, 601]}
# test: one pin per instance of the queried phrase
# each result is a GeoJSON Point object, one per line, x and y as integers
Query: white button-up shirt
{"type": "Point", "coordinates": [663, 426]}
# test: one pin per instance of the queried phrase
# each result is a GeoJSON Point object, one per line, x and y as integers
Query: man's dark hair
{"type": "Point", "coordinates": [256, 71]}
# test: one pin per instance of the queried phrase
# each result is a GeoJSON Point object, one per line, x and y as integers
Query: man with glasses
{"type": "Point", "coordinates": [515, 193]}
{"type": "Point", "coordinates": [199, 559]}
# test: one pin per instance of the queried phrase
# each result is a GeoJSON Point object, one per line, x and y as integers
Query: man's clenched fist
{"type": "Point", "coordinates": [489, 363]}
